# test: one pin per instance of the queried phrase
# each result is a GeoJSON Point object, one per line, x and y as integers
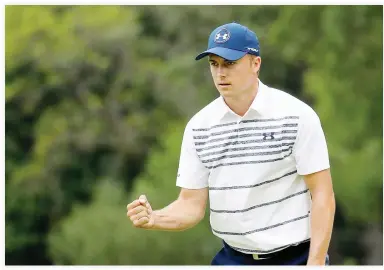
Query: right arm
{"type": "Point", "coordinates": [184, 213]}
{"type": "Point", "coordinates": [189, 208]}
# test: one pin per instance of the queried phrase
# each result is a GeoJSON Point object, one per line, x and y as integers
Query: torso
{"type": "Point", "coordinates": [258, 201]}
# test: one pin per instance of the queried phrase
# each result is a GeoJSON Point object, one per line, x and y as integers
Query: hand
{"type": "Point", "coordinates": [141, 214]}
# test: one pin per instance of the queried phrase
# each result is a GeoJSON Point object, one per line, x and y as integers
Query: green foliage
{"type": "Point", "coordinates": [74, 109]}
{"type": "Point", "coordinates": [343, 52]}
{"type": "Point", "coordinates": [117, 241]}
{"type": "Point", "coordinates": [93, 234]}
{"type": "Point", "coordinates": [91, 92]}
{"type": "Point", "coordinates": [194, 246]}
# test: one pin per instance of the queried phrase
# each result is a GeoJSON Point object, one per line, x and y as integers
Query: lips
{"type": "Point", "coordinates": [224, 84]}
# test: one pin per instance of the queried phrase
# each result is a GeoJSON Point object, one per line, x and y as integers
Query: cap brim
{"type": "Point", "coordinates": [228, 54]}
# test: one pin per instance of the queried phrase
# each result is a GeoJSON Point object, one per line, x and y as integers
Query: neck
{"type": "Point", "coordinates": [241, 103]}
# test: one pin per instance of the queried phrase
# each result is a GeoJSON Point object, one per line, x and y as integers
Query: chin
{"type": "Point", "coordinates": [226, 94]}
{"type": "Point", "coordinates": [224, 90]}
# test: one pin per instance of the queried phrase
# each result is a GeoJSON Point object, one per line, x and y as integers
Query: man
{"type": "Point", "coordinates": [261, 156]}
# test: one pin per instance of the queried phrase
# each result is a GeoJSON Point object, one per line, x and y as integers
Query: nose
{"type": "Point", "coordinates": [221, 72]}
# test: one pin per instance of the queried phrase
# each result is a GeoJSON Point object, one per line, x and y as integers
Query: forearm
{"type": "Point", "coordinates": [178, 216]}
{"type": "Point", "coordinates": [322, 216]}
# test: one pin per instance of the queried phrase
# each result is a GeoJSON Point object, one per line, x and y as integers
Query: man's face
{"type": "Point", "coordinates": [233, 78]}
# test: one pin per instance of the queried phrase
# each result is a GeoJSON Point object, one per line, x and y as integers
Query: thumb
{"type": "Point", "coordinates": [143, 200]}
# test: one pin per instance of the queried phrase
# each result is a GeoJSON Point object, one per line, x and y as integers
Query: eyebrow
{"type": "Point", "coordinates": [211, 60]}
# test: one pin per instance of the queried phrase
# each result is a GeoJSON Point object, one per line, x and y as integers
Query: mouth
{"type": "Point", "coordinates": [224, 84]}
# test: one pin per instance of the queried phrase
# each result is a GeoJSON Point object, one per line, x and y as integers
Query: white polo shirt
{"type": "Point", "coordinates": [254, 166]}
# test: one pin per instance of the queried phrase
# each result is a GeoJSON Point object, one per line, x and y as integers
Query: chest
{"type": "Point", "coordinates": [251, 143]}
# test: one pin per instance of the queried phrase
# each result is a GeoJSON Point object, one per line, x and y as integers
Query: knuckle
{"type": "Point", "coordinates": [134, 211]}
{"type": "Point", "coordinates": [143, 220]}
{"type": "Point", "coordinates": [131, 205]}
{"type": "Point", "coordinates": [136, 223]}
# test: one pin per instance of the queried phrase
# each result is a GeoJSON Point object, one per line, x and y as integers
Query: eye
{"type": "Point", "coordinates": [214, 64]}
{"type": "Point", "coordinates": [230, 63]}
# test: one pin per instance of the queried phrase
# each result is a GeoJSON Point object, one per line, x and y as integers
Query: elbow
{"type": "Point", "coordinates": [200, 215]}
{"type": "Point", "coordinates": [191, 222]}
{"type": "Point", "coordinates": [197, 212]}
{"type": "Point", "coordinates": [193, 217]}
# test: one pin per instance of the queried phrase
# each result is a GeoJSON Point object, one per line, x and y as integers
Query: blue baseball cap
{"type": "Point", "coordinates": [232, 41]}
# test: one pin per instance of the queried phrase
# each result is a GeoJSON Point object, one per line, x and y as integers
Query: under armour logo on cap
{"type": "Point", "coordinates": [222, 36]}
{"type": "Point", "coordinates": [231, 41]}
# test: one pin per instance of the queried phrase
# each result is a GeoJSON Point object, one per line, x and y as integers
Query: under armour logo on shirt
{"type": "Point", "coordinates": [222, 36]}
{"type": "Point", "coordinates": [268, 136]}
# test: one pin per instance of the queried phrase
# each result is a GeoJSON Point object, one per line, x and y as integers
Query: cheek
{"type": "Point", "coordinates": [238, 77]}
{"type": "Point", "coordinates": [242, 79]}
{"type": "Point", "coordinates": [213, 73]}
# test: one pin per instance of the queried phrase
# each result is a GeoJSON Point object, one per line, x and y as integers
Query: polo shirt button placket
{"type": "Point", "coordinates": [239, 122]}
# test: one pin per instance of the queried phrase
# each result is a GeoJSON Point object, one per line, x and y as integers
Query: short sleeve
{"type": "Point", "coordinates": [192, 174]}
{"type": "Point", "coordinates": [310, 149]}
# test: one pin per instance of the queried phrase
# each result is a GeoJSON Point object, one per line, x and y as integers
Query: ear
{"type": "Point", "coordinates": [256, 63]}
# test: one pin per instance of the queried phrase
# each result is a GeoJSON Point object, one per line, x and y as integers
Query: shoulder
{"type": "Point", "coordinates": [289, 104]}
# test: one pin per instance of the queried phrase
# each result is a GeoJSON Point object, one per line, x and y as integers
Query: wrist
{"type": "Point", "coordinates": [316, 261]}
{"type": "Point", "coordinates": [154, 220]}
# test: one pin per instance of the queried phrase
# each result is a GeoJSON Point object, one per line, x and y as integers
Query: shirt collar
{"type": "Point", "coordinates": [258, 103]}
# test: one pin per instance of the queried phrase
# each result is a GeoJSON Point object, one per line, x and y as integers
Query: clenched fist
{"type": "Point", "coordinates": [140, 213]}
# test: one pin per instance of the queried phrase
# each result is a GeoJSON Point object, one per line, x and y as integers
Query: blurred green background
{"type": "Point", "coordinates": [97, 98]}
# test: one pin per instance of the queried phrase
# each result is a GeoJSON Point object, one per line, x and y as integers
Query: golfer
{"type": "Point", "coordinates": [260, 156]}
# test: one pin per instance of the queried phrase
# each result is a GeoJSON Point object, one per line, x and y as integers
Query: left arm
{"type": "Point", "coordinates": [322, 214]}
{"type": "Point", "coordinates": [312, 161]}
